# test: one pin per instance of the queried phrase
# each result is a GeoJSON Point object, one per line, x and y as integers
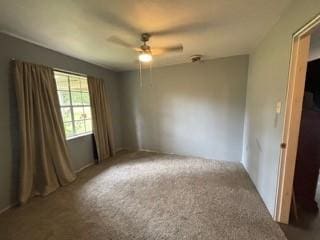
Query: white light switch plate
{"type": "Point", "coordinates": [278, 107]}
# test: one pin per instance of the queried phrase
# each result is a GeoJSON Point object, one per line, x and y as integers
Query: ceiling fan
{"type": "Point", "coordinates": [146, 52]}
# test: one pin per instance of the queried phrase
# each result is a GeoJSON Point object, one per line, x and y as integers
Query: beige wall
{"type": "Point", "coordinates": [189, 109]}
{"type": "Point", "coordinates": [267, 83]}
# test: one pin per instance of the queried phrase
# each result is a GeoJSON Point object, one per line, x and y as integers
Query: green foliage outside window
{"type": "Point", "coordinates": [74, 100]}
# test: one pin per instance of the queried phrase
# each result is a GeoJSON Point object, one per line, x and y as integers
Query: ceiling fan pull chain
{"type": "Point", "coordinates": [150, 69]}
{"type": "Point", "coordinates": [140, 73]}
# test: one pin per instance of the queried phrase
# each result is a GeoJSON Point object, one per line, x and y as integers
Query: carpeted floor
{"type": "Point", "coordinates": [147, 196]}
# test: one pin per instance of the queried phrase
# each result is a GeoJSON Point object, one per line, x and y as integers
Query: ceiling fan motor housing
{"type": "Point", "coordinates": [145, 37]}
{"type": "Point", "coordinates": [145, 48]}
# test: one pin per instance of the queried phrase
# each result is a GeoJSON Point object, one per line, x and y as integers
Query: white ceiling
{"type": "Point", "coordinates": [80, 28]}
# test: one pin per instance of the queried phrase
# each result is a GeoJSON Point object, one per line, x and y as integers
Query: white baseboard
{"type": "Point", "coordinates": [162, 152]}
{"type": "Point", "coordinates": [8, 207]}
{"type": "Point", "coordinates": [120, 149]}
{"type": "Point", "coordinates": [84, 167]}
{"type": "Point", "coordinates": [182, 155]}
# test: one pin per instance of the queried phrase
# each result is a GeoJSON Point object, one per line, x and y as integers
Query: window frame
{"type": "Point", "coordinates": [71, 106]}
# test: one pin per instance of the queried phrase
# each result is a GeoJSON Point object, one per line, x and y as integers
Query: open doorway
{"type": "Point", "coordinates": [298, 190]}
{"type": "Point", "coordinates": [306, 190]}
{"type": "Point", "coordinates": [304, 216]}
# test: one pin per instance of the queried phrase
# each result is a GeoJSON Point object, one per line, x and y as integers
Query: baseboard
{"type": "Point", "coordinates": [8, 207]}
{"type": "Point", "coordinates": [152, 151]}
{"type": "Point", "coordinates": [120, 149]}
{"type": "Point", "coordinates": [84, 167]}
{"type": "Point", "coordinates": [162, 152]}
{"type": "Point", "coordinates": [171, 153]}
{"type": "Point", "coordinates": [184, 155]}
{"type": "Point", "coordinates": [147, 150]}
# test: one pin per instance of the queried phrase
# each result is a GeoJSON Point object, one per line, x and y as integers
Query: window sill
{"type": "Point", "coordinates": [79, 136]}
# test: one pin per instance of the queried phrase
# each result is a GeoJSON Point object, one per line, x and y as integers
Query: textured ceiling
{"type": "Point", "coordinates": [214, 28]}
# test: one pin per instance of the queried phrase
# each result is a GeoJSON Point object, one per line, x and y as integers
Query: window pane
{"type": "Point", "coordinates": [75, 83]}
{"type": "Point", "coordinates": [62, 82]}
{"type": "Point", "coordinates": [79, 127]}
{"type": "Point", "coordinates": [88, 125]}
{"type": "Point", "coordinates": [64, 98]}
{"type": "Point", "coordinates": [76, 98]}
{"type": "Point", "coordinates": [84, 85]}
{"type": "Point", "coordinates": [86, 98]}
{"type": "Point", "coordinates": [68, 129]}
{"type": "Point", "coordinates": [87, 112]}
{"type": "Point", "coordinates": [66, 114]}
{"type": "Point", "coordinates": [78, 113]}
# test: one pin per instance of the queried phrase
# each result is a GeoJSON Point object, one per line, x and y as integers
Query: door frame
{"type": "Point", "coordinates": [293, 109]}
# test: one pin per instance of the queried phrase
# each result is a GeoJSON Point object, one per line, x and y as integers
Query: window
{"type": "Point", "coordinates": [74, 103]}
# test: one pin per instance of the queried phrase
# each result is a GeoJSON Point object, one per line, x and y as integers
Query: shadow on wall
{"type": "Point", "coordinates": [259, 129]}
{"type": "Point", "coordinates": [252, 143]}
{"type": "Point", "coordinates": [15, 139]}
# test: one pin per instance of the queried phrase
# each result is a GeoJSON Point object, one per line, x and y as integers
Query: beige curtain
{"type": "Point", "coordinates": [101, 119]}
{"type": "Point", "coordinates": [45, 162]}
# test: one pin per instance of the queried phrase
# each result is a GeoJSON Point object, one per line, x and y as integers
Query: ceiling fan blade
{"type": "Point", "coordinates": [120, 42]}
{"type": "Point", "coordinates": [159, 51]}
{"type": "Point", "coordinates": [137, 49]}
{"type": "Point", "coordinates": [108, 17]}
{"type": "Point", "coordinates": [184, 28]}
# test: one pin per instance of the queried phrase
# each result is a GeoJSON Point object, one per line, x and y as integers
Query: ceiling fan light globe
{"type": "Point", "coordinates": [145, 57]}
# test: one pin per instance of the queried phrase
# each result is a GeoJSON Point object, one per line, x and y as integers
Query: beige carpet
{"type": "Point", "coordinates": [147, 196]}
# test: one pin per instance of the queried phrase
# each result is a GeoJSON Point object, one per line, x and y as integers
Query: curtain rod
{"type": "Point", "coordinates": [70, 72]}
{"type": "Point", "coordinates": [63, 71]}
